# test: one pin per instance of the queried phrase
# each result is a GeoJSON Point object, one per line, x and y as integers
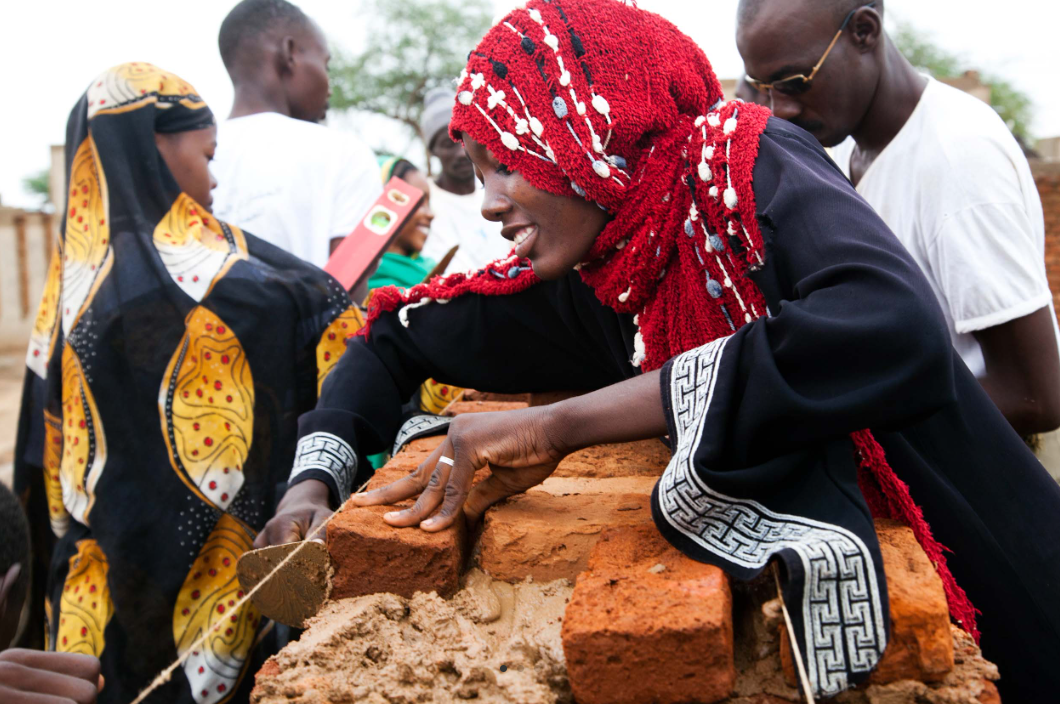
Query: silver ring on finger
{"type": "Point", "coordinates": [445, 460]}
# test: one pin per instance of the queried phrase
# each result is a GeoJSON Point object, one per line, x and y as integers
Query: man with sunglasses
{"type": "Point", "coordinates": [942, 170]}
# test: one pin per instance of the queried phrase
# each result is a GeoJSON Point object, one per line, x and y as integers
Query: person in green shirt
{"type": "Point", "coordinates": [401, 264]}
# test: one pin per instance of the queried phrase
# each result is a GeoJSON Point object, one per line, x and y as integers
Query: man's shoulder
{"type": "Point", "coordinates": [963, 152]}
{"type": "Point", "coordinates": [962, 126]}
{"type": "Point", "coordinates": [282, 130]}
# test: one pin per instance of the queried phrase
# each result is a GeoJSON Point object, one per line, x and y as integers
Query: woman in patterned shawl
{"type": "Point", "coordinates": [712, 274]}
{"type": "Point", "coordinates": [170, 359]}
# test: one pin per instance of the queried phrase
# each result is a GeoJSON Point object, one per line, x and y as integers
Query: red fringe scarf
{"type": "Point", "coordinates": [545, 91]}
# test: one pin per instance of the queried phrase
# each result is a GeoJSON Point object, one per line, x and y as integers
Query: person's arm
{"type": "Point", "coordinates": [309, 502]}
{"type": "Point", "coordinates": [985, 252]}
{"type": "Point", "coordinates": [552, 336]}
{"type": "Point", "coordinates": [522, 448]}
{"type": "Point", "coordinates": [1023, 371]}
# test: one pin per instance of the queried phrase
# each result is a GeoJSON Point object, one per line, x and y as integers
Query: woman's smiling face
{"type": "Point", "coordinates": [554, 232]}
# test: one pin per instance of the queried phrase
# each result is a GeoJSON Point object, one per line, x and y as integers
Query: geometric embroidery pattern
{"type": "Point", "coordinates": [329, 453]}
{"type": "Point", "coordinates": [843, 629]}
{"type": "Point", "coordinates": [419, 427]}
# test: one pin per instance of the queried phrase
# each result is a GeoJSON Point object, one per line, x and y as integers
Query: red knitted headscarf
{"type": "Point", "coordinates": [601, 100]}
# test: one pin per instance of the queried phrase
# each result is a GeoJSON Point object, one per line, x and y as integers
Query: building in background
{"type": "Point", "coordinates": [27, 238]}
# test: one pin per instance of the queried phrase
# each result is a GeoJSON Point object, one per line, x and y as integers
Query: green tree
{"type": "Point", "coordinates": [1014, 106]}
{"type": "Point", "coordinates": [37, 184]}
{"type": "Point", "coordinates": [412, 46]}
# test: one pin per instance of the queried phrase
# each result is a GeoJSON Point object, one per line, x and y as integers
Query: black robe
{"type": "Point", "coordinates": [855, 339]}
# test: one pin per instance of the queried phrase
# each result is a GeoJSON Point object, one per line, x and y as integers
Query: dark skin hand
{"type": "Point", "coordinates": [301, 511]}
{"type": "Point", "coordinates": [522, 448]}
{"type": "Point", "coordinates": [35, 677]}
{"type": "Point", "coordinates": [1023, 371]}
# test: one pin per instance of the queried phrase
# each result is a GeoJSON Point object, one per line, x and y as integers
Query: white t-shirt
{"type": "Point", "coordinates": [955, 188]}
{"type": "Point", "coordinates": [293, 183]}
{"type": "Point", "coordinates": [458, 220]}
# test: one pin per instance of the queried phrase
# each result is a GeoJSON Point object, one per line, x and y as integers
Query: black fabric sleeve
{"type": "Point", "coordinates": [553, 336]}
{"type": "Point", "coordinates": [855, 338]}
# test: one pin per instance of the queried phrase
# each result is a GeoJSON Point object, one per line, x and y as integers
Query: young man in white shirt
{"type": "Point", "coordinates": [942, 170]}
{"type": "Point", "coordinates": [283, 176]}
{"type": "Point", "coordinates": [455, 195]}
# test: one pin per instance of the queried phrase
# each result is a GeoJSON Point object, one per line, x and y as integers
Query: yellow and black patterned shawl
{"type": "Point", "coordinates": [169, 362]}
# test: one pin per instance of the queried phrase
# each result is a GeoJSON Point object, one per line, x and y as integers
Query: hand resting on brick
{"type": "Point", "coordinates": [522, 448]}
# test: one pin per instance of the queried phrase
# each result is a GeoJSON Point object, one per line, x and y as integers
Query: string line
{"type": "Point", "coordinates": [803, 679]}
{"type": "Point", "coordinates": [167, 673]}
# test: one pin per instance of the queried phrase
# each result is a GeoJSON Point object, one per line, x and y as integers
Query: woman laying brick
{"type": "Point", "coordinates": [711, 273]}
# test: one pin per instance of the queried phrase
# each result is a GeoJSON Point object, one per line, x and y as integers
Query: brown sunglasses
{"type": "Point", "coordinates": [800, 83]}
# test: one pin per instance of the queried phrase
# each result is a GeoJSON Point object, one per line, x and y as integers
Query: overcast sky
{"type": "Point", "coordinates": [52, 49]}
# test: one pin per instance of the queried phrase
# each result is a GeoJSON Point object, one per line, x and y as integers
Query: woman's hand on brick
{"type": "Point", "coordinates": [301, 511]}
{"type": "Point", "coordinates": [522, 448]}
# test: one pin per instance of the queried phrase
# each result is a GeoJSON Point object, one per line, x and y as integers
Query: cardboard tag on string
{"type": "Point", "coordinates": [297, 591]}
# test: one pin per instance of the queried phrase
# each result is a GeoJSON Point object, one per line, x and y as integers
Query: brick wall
{"type": "Point", "coordinates": [1047, 177]}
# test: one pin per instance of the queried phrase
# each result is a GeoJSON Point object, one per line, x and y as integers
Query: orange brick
{"type": "Point", "coordinates": [460, 407]}
{"type": "Point", "coordinates": [648, 625]}
{"type": "Point", "coordinates": [368, 556]}
{"type": "Point", "coordinates": [540, 398]}
{"type": "Point", "coordinates": [567, 486]}
{"type": "Point", "coordinates": [472, 395]}
{"type": "Point", "coordinates": [426, 445]}
{"type": "Point", "coordinates": [549, 537]}
{"type": "Point", "coordinates": [645, 458]}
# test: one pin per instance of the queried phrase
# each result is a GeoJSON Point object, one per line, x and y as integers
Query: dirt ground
{"type": "Point", "coordinates": [12, 368]}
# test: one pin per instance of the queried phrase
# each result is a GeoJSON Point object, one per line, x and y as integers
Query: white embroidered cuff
{"type": "Point", "coordinates": [327, 453]}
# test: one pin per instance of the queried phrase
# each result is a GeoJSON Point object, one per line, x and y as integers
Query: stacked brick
{"type": "Point", "coordinates": [359, 542]}
{"type": "Point", "coordinates": [1047, 178]}
{"type": "Point", "coordinates": [645, 623]}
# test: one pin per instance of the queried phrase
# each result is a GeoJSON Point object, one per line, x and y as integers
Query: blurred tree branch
{"type": "Point", "coordinates": [412, 46]}
{"type": "Point", "coordinates": [38, 185]}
